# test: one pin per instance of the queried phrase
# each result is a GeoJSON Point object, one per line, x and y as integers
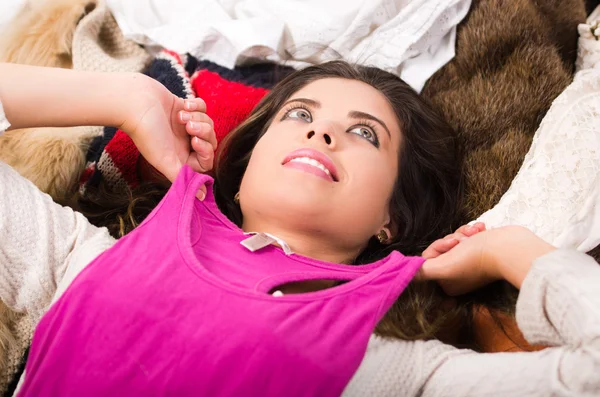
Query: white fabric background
{"type": "Point", "coordinates": [411, 38]}
{"type": "Point", "coordinates": [8, 10]}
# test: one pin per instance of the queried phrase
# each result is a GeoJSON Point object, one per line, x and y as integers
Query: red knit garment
{"type": "Point", "coordinates": [230, 96]}
{"type": "Point", "coordinates": [228, 103]}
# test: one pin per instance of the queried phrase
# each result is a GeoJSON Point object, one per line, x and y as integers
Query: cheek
{"type": "Point", "coordinates": [371, 183]}
{"type": "Point", "coordinates": [263, 165]}
{"type": "Point", "coordinates": [374, 173]}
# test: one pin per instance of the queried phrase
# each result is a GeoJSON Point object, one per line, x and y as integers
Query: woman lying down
{"type": "Point", "coordinates": [271, 278]}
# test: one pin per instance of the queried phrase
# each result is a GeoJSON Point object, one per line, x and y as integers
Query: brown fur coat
{"type": "Point", "coordinates": [513, 58]}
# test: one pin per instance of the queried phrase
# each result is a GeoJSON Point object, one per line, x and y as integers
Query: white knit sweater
{"type": "Point", "coordinates": [43, 246]}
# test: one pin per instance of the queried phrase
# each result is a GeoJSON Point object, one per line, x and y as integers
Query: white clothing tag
{"type": "Point", "coordinates": [257, 241]}
{"type": "Point", "coordinates": [261, 240]}
{"type": "Point", "coordinates": [277, 293]}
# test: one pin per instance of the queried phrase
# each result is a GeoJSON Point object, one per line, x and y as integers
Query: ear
{"type": "Point", "coordinates": [388, 233]}
{"type": "Point", "coordinates": [389, 229]}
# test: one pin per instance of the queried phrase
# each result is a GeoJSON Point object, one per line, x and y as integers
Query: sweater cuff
{"type": "Point", "coordinates": [550, 305]}
{"type": "Point", "coordinates": [4, 124]}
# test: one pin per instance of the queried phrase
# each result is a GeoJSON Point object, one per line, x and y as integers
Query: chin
{"type": "Point", "coordinates": [297, 201]}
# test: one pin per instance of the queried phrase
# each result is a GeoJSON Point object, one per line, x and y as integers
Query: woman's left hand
{"type": "Point", "coordinates": [170, 131]}
{"type": "Point", "coordinates": [503, 253]}
{"type": "Point", "coordinates": [443, 245]}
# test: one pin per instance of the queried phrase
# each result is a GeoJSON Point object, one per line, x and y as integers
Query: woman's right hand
{"type": "Point", "coordinates": [168, 131]}
{"type": "Point", "coordinates": [502, 253]}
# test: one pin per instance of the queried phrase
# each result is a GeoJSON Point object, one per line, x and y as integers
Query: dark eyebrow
{"type": "Point", "coordinates": [310, 102]}
{"type": "Point", "coordinates": [355, 114]}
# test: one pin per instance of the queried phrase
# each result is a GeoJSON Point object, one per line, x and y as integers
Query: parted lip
{"type": "Point", "coordinates": [314, 155]}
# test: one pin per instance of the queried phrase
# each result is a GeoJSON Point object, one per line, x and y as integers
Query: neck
{"type": "Point", "coordinates": [311, 245]}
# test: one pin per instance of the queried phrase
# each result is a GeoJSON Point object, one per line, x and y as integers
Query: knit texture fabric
{"type": "Point", "coordinates": [230, 96]}
{"type": "Point", "coordinates": [99, 45]}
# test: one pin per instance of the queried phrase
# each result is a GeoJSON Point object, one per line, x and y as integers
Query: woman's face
{"type": "Point", "coordinates": [326, 165]}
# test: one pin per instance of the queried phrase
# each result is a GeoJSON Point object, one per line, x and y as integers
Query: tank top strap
{"type": "Point", "coordinates": [181, 193]}
{"type": "Point", "coordinates": [188, 183]}
{"type": "Point", "coordinates": [395, 280]}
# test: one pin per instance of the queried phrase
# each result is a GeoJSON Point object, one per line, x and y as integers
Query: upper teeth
{"type": "Point", "coordinates": [312, 162]}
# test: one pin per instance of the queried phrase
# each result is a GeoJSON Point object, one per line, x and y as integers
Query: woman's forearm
{"type": "Point", "coordinates": [515, 254]}
{"type": "Point", "coordinates": [38, 96]}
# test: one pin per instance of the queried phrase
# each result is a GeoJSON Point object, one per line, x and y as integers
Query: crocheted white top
{"type": "Point", "coordinates": [557, 190]}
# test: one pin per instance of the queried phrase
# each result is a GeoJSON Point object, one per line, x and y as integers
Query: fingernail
{"type": "Point", "coordinates": [189, 105]}
{"type": "Point", "coordinates": [195, 125]}
{"type": "Point", "coordinates": [201, 195]}
{"type": "Point", "coordinates": [185, 116]}
{"type": "Point", "coordinates": [469, 228]}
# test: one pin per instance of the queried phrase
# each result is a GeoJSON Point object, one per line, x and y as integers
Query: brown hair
{"type": "Point", "coordinates": [423, 204]}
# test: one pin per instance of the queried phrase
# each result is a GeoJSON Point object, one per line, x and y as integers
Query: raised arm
{"type": "Point", "coordinates": [168, 130]}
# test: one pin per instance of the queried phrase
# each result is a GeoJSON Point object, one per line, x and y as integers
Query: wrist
{"type": "Point", "coordinates": [515, 253]}
{"type": "Point", "coordinates": [137, 93]}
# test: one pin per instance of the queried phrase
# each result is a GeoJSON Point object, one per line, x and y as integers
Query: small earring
{"type": "Point", "coordinates": [236, 198]}
{"type": "Point", "coordinates": [382, 236]}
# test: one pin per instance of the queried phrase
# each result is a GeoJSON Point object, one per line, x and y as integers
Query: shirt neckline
{"type": "Point", "coordinates": [369, 271]}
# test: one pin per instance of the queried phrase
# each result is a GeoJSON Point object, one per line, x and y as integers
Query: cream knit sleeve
{"type": "Point", "coordinates": [41, 242]}
{"type": "Point", "coordinates": [559, 305]}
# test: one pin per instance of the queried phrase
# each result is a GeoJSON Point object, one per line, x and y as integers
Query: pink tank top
{"type": "Point", "coordinates": [180, 308]}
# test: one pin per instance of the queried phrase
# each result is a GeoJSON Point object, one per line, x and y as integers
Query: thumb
{"type": "Point", "coordinates": [435, 268]}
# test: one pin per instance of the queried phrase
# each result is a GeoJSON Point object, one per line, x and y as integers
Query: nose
{"type": "Point", "coordinates": [323, 131]}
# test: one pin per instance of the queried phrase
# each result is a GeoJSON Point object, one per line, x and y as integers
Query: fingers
{"type": "Point", "coordinates": [468, 230]}
{"type": "Point", "coordinates": [201, 195]}
{"type": "Point", "coordinates": [204, 154]}
{"type": "Point", "coordinates": [200, 125]}
{"type": "Point", "coordinates": [432, 269]}
{"type": "Point", "coordinates": [473, 229]}
{"type": "Point", "coordinates": [444, 245]}
{"type": "Point", "coordinates": [439, 247]}
{"type": "Point", "coordinates": [194, 105]}
{"type": "Point", "coordinates": [198, 117]}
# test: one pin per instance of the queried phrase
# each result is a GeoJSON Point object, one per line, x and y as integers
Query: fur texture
{"type": "Point", "coordinates": [52, 158]}
{"type": "Point", "coordinates": [42, 32]}
{"type": "Point", "coordinates": [513, 58]}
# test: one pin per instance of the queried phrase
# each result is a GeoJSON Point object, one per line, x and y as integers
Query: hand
{"type": "Point", "coordinates": [502, 253]}
{"type": "Point", "coordinates": [445, 244]}
{"type": "Point", "coordinates": [160, 124]}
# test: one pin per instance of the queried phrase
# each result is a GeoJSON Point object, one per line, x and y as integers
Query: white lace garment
{"type": "Point", "coordinates": [556, 193]}
{"type": "Point", "coordinates": [410, 38]}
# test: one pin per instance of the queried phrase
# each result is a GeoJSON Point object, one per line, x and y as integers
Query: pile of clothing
{"type": "Point", "coordinates": [230, 95]}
